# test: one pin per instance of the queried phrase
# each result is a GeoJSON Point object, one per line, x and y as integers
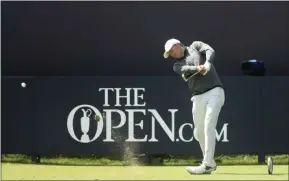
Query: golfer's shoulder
{"type": "Point", "coordinates": [196, 43]}
{"type": "Point", "coordinates": [176, 63]}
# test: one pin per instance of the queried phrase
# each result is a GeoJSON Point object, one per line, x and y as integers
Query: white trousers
{"type": "Point", "coordinates": [206, 109]}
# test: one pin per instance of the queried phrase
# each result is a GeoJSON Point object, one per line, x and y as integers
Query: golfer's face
{"type": "Point", "coordinates": [176, 51]}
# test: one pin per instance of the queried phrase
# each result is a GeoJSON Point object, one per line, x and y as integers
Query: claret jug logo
{"type": "Point", "coordinates": [130, 117]}
{"type": "Point", "coordinates": [84, 123]}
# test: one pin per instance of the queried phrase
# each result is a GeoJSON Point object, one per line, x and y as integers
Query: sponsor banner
{"type": "Point", "coordinates": [153, 115]}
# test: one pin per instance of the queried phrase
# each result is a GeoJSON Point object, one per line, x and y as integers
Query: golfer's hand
{"type": "Point", "coordinates": [205, 68]}
{"type": "Point", "coordinates": [201, 69]}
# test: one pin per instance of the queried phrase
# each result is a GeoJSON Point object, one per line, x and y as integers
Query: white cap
{"type": "Point", "coordinates": [169, 44]}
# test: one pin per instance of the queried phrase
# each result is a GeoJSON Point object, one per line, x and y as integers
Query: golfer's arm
{"type": "Point", "coordinates": [181, 69]}
{"type": "Point", "coordinates": [204, 49]}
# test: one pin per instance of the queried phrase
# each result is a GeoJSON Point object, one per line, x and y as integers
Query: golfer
{"type": "Point", "coordinates": [194, 64]}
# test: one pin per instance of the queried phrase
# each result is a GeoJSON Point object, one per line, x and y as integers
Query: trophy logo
{"type": "Point", "coordinates": [85, 123]}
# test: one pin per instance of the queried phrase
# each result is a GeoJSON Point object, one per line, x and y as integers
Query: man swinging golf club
{"type": "Point", "coordinates": [194, 64]}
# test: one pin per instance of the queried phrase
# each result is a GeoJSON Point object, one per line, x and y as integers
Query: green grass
{"type": "Point", "coordinates": [90, 161]}
{"type": "Point", "coordinates": [233, 160]}
{"type": "Point", "coordinates": [53, 172]}
{"type": "Point", "coordinates": [240, 167]}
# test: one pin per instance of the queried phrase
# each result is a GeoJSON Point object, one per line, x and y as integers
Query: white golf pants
{"type": "Point", "coordinates": [206, 109]}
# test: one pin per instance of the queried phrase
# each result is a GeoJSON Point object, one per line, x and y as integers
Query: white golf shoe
{"type": "Point", "coordinates": [202, 169]}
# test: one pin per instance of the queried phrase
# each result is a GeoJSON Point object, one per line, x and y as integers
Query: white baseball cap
{"type": "Point", "coordinates": [169, 44]}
